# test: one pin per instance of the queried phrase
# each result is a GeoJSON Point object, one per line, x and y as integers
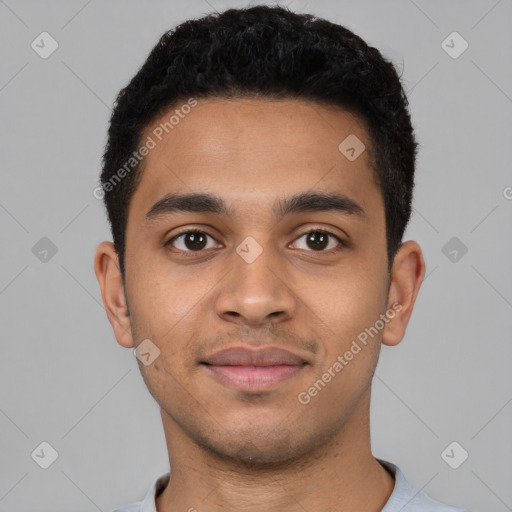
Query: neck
{"type": "Point", "coordinates": [342, 474]}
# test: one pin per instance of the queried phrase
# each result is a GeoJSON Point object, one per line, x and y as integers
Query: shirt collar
{"type": "Point", "coordinates": [398, 496]}
{"type": "Point", "coordinates": [158, 485]}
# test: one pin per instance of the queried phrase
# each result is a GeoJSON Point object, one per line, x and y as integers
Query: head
{"type": "Point", "coordinates": [274, 125]}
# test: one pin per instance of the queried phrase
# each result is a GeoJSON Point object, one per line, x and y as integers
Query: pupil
{"type": "Point", "coordinates": [195, 240]}
{"type": "Point", "coordinates": [318, 240]}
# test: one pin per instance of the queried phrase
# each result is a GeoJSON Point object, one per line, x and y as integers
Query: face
{"type": "Point", "coordinates": [257, 292]}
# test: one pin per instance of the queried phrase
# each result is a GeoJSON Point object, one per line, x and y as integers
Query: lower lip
{"type": "Point", "coordinates": [254, 378]}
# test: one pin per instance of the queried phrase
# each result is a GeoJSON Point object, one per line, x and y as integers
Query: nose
{"type": "Point", "coordinates": [256, 293]}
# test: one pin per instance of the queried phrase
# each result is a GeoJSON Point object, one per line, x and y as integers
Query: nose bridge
{"type": "Point", "coordinates": [256, 288]}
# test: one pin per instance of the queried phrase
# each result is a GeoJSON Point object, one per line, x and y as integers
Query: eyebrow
{"type": "Point", "coordinates": [299, 203]}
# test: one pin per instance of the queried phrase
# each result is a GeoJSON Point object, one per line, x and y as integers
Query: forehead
{"type": "Point", "coordinates": [249, 151]}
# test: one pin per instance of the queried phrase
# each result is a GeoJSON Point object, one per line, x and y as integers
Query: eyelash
{"type": "Point", "coordinates": [318, 230]}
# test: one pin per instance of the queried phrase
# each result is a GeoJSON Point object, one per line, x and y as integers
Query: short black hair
{"type": "Point", "coordinates": [267, 53]}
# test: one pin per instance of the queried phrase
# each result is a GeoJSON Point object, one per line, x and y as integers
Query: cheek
{"type": "Point", "coordinates": [351, 352]}
{"type": "Point", "coordinates": [349, 308]}
{"type": "Point", "coordinates": [348, 303]}
{"type": "Point", "coordinates": [161, 300]}
{"type": "Point", "coordinates": [166, 307]}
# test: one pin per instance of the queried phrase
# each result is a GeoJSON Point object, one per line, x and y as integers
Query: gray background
{"type": "Point", "coordinates": [63, 377]}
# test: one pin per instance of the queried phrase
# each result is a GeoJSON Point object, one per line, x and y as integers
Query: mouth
{"type": "Point", "coordinates": [253, 370]}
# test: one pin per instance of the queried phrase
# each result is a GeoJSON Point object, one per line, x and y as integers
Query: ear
{"type": "Point", "coordinates": [108, 273]}
{"type": "Point", "coordinates": [406, 277]}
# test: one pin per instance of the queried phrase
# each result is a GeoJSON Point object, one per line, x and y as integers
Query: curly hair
{"type": "Point", "coordinates": [267, 53]}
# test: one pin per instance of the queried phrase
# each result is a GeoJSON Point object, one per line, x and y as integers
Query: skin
{"type": "Point", "coordinates": [265, 451]}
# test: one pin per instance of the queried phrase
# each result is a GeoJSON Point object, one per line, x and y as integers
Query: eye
{"type": "Point", "coordinates": [190, 241]}
{"type": "Point", "coordinates": [319, 240]}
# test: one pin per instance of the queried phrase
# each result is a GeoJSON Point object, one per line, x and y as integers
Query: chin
{"type": "Point", "coordinates": [251, 456]}
{"type": "Point", "coordinates": [261, 449]}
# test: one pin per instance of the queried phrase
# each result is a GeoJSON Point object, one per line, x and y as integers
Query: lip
{"type": "Point", "coordinates": [253, 369]}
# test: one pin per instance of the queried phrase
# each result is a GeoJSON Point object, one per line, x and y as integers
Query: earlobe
{"type": "Point", "coordinates": [406, 278]}
{"type": "Point", "coordinates": [106, 267]}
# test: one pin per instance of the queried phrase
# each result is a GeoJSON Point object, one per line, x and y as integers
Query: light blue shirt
{"type": "Point", "coordinates": [404, 497]}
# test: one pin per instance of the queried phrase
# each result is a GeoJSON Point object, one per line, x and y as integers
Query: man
{"type": "Point", "coordinates": [258, 179]}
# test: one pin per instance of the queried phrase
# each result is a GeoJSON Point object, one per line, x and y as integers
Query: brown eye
{"type": "Point", "coordinates": [190, 241]}
{"type": "Point", "coordinates": [319, 240]}
{"type": "Point", "coordinates": [195, 241]}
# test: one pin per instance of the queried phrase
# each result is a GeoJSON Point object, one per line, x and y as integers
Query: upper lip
{"type": "Point", "coordinates": [240, 356]}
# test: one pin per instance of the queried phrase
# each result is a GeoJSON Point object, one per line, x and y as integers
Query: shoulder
{"type": "Point", "coordinates": [148, 503]}
{"type": "Point", "coordinates": [406, 498]}
{"type": "Point", "coordinates": [427, 504]}
{"type": "Point", "coordinates": [131, 507]}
